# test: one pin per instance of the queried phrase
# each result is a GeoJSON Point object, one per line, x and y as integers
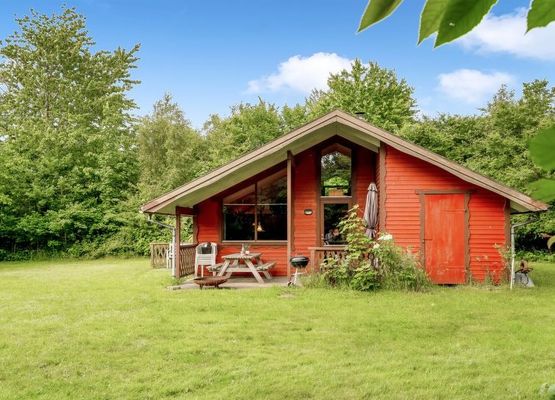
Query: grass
{"type": "Point", "coordinates": [107, 329]}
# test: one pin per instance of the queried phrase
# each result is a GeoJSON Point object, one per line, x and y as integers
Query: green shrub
{"type": "Point", "coordinates": [399, 268]}
{"type": "Point", "coordinates": [365, 278]}
{"type": "Point", "coordinates": [336, 273]}
{"type": "Point", "coordinates": [369, 265]}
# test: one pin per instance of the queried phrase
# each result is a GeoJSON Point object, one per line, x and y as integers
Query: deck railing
{"type": "Point", "coordinates": [319, 254]}
{"type": "Point", "coordinates": [160, 257]}
{"type": "Point", "coordinates": [187, 264]}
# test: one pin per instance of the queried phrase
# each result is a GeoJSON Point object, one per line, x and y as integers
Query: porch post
{"type": "Point", "coordinates": [290, 237]}
{"type": "Point", "coordinates": [195, 229]}
{"type": "Point", "coordinates": [177, 245]}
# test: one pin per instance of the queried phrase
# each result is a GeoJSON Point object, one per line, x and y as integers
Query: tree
{"type": "Point", "coordinates": [494, 143]}
{"type": "Point", "coordinates": [384, 100]}
{"type": "Point", "coordinates": [293, 117]}
{"type": "Point", "coordinates": [247, 128]}
{"type": "Point", "coordinates": [542, 149]}
{"type": "Point", "coordinates": [509, 124]}
{"type": "Point", "coordinates": [67, 154]}
{"type": "Point", "coordinates": [451, 19]}
{"type": "Point", "coordinates": [452, 136]}
{"type": "Point", "coordinates": [168, 149]}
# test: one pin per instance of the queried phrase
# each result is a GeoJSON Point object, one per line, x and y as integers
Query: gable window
{"type": "Point", "coordinates": [335, 171]}
{"type": "Point", "coordinates": [257, 212]}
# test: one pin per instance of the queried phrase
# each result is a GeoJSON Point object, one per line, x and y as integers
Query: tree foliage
{"type": "Point", "coordinates": [67, 151]}
{"type": "Point", "coordinates": [168, 149]}
{"type": "Point", "coordinates": [248, 127]}
{"type": "Point", "coordinates": [542, 151]}
{"type": "Point", "coordinates": [375, 92]}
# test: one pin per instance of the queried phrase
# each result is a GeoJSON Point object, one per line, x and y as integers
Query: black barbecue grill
{"type": "Point", "coordinates": [299, 263]}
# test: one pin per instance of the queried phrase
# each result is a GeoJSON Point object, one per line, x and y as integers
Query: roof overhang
{"type": "Point", "coordinates": [335, 123]}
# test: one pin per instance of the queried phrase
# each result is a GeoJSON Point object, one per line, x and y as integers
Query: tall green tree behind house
{"type": "Point", "coordinates": [248, 127]}
{"type": "Point", "coordinates": [67, 153]}
{"type": "Point", "coordinates": [170, 149]}
{"type": "Point", "coordinates": [494, 142]}
{"type": "Point", "coordinates": [384, 100]}
{"type": "Point", "coordinates": [293, 117]}
{"type": "Point", "coordinates": [452, 136]}
{"type": "Point", "coordinates": [510, 123]}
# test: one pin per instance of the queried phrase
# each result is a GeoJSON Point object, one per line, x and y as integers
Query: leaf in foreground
{"type": "Point", "coordinates": [541, 14]}
{"type": "Point", "coordinates": [460, 17]}
{"type": "Point", "coordinates": [542, 148]}
{"type": "Point", "coordinates": [543, 189]}
{"type": "Point", "coordinates": [431, 16]}
{"type": "Point", "coordinates": [376, 10]}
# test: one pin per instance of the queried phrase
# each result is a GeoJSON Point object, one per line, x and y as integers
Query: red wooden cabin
{"type": "Point", "coordinates": [280, 200]}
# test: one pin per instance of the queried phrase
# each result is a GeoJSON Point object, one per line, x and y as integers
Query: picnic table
{"type": "Point", "coordinates": [246, 263]}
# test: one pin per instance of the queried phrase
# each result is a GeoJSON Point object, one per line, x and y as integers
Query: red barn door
{"type": "Point", "coordinates": [444, 237]}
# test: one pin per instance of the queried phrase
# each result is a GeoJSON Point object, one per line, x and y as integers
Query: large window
{"type": "Point", "coordinates": [259, 211]}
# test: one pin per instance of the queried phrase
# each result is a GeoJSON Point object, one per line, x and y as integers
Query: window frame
{"type": "Point", "coordinates": [321, 200]}
{"type": "Point", "coordinates": [347, 151]}
{"type": "Point", "coordinates": [255, 206]}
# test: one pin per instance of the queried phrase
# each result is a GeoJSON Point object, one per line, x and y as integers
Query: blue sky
{"type": "Point", "coordinates": [212, 54]}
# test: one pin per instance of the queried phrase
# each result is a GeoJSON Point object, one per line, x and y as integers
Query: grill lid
{"type": "Point", "coordinates": [299, 261]}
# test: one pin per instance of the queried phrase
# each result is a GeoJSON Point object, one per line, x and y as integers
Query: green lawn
{"type": "Point", "coordinates": [108, 329]}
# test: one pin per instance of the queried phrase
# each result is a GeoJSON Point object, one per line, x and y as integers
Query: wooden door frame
{"type": "Point", "coordinates": [329, 200]}
{"type": "Point", "coordinates": [422, 197]}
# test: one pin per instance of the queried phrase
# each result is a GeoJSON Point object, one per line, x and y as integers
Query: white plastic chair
{"type": "Point", "coordinates": [205, 260]}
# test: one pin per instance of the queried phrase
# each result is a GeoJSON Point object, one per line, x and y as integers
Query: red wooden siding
{"type": "Point", "coordinates": [305, 191]}
{"type": "Point", "coordinates": [364, 174]}
{"type": "Point", "coordinates": [487, 229]}
{"type": "Point", "coordinates": [209, 215]}
{"type": "Point", "coordinates": [406, 174]}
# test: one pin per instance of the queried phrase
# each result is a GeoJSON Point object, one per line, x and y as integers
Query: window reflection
{"type": "Point", "coordinates": [259, 211]}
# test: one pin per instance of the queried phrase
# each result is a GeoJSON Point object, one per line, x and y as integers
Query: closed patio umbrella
{"type": "Point", "coordinates": [371, 211]}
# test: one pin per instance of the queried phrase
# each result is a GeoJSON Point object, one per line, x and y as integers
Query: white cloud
{"type": "Point", "coordinates": [472, 86]}
{"type": "Point", "coordinates": [301, 74]}
{"type": "Point", "coordinates": [507, 34]}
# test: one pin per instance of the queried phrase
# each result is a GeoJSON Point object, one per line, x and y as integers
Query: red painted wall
{"type": "Point", "coordinates": [406, 174]}
{"type": "Point", "coordinates": [364, 173]}
{"type": "Point", "coordinates": [305, 188]}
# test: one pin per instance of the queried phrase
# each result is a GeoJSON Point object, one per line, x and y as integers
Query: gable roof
{"type": "Point", "coordinates": [335, 123]}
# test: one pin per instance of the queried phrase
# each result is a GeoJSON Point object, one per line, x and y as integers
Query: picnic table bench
{"type": "Point", "coordinates": [244, 263]}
